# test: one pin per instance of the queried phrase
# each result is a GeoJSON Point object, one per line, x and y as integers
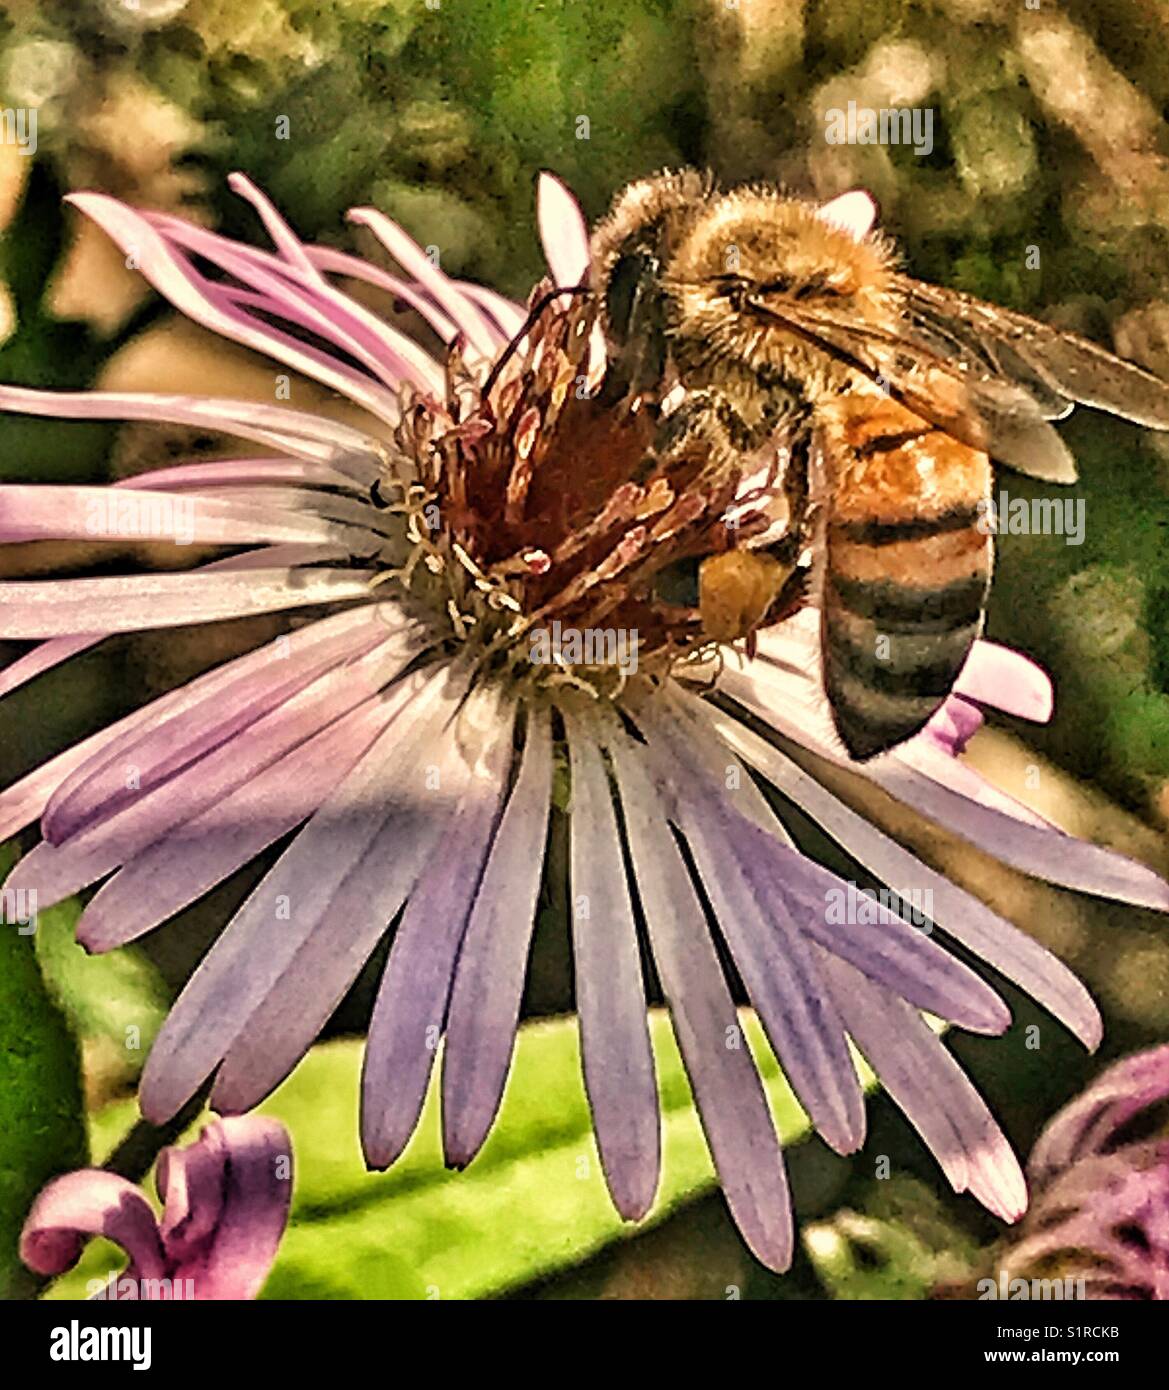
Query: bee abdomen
{"type": "Point", "coordinates": [903, 603]}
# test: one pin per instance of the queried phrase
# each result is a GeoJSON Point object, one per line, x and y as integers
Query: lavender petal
{"type": "Point", "coordinates": [414, 994]}
{"type": "Point", "coordinates": [914, 1067]}
{"type": "Point", "coordinates": [1046, 979]}
{"type": "Point", "coordinates": [610, 993]}
{"type": "Point", "coordinates": [489, 976]}
{"type": "Point", "coordinates": [255, 948]}
{"type": "Point", "coordinates": [732, 1104]}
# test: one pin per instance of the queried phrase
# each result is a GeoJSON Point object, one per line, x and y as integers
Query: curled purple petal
{"type": "Point", "coordinates": [88, 1203]}
{"type": "Point", "coordinates": [231, 1199]}
{"type": "Point", "coordinates": [1090, 1124]}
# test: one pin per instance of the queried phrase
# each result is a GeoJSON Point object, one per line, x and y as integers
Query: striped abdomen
{"type": "Point", "coordinates": [907, 569]}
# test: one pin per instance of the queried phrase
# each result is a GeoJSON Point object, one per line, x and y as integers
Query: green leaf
{"type": "Point", "coordinates": [533, 1202]}
{"type": "Point", "coordinates": [115, 1002]}
{"type": "Point", "coordinates": [42, 1131]}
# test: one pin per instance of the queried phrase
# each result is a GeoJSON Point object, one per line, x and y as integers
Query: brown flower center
{"type": "Point", "coordinates": [537, 503]}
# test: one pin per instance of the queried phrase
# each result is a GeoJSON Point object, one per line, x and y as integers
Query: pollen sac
{"type": "Point", "coordinates": [736, 590]}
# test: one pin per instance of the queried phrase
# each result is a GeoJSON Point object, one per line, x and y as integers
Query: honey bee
{"type": "Point", "coordinates": [767, 322]}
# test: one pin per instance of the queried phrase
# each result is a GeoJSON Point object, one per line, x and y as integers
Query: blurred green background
{"type": "Point", "coordinates": [1047, 189]}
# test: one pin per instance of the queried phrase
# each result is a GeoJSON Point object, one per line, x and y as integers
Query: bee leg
{"type": "Point", "coordinates": [791, 544]}
{"type": "Point", "coordinates": [708, 418]}
{"type": "Point", "coordinates": [794, 595]}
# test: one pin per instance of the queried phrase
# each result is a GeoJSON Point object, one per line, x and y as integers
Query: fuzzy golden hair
{"type": "Point", "coordinates": [703, 239]}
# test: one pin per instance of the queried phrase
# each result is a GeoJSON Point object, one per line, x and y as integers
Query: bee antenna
{"type": "Point", "coordinates": [528, 324]}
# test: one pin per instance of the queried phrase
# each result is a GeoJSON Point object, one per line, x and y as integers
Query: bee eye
{"type": "Point", "coordinates": [818, 284]}
{"type": "Point", "coordinates": [731, 288]}
{"type": "Point", "coordinates": [628, 280]}
{"type": "Point", "coordinates": [803, 289]}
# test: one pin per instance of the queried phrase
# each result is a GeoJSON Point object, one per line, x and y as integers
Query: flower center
{"type": "Point", "coordinates": [541, 520]}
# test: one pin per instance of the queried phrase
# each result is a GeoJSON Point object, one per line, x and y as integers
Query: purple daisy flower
{"type": "Point", "coordinates": [225, 1202]}
{"type": "Point", "coordinates": [412, 732]}
{"type": "Point", "coordinates": [1100, 1172]}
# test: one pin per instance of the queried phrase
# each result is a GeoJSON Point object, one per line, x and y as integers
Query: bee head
{"type": "Point", "coordinates": [759, 254]}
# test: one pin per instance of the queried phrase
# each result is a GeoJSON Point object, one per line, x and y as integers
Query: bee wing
{"type": "Point", "coordinates": [1072, 366]}
{"type": "Point", "coordinates": [988, 413]}
{"type": "Point", "coordinates": [951, 339]}
{"type": "Point", "coordinates": [964, 390]}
